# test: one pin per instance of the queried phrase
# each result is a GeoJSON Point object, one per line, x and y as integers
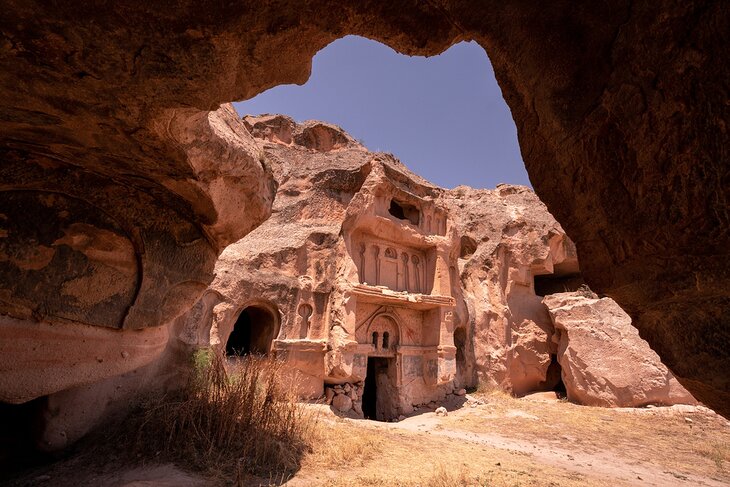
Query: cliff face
{"type": "Point", "coordinates": [509, 243]}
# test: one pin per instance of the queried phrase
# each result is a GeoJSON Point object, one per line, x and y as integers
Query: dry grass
{"type": "Point", "coordinates": [358, 453]}
{"type": "Point", "coordinates": [232, 421]}
{"type": "Point", "coordinates": [672, 442]}
{"type": "Point", "coordinates": [689, 442]}
{"type": "Point", "coordinates": [718, 451]}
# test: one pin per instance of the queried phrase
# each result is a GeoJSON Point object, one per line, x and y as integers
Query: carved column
{"type": "Point", "coordinates": [376, 255]}
{"type": "Point", "coordinates": [406, 279]}
{"type": "Point", "coordinates": [416, 273]}
{"type": "Point", "coordinates": [362, 263]}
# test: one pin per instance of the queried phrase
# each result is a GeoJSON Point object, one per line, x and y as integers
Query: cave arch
{"type": "Point", "coordinates": [632, 163]}
{"type": "Point", "coordinates": [254, 331]}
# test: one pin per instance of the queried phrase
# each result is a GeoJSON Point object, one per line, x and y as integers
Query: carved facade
{"type": "Point", "coordinates": [394, 290]}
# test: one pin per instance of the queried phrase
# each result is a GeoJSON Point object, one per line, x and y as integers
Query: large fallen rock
{"type": "Point", "coordinates": [604, 360]}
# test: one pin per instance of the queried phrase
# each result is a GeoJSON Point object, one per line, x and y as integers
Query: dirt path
{"type": "Point", "coordinates": [604, 464]}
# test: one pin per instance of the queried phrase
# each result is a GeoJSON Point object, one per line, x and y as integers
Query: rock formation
{"type": "Point", "coordinates": [620, 109]}
{"type": "Point", "coordinates": [604, 361]}
{"type": "Point", "coordinates": [93, 269]}
{"type": "Point", "coordinates": [385, 293]}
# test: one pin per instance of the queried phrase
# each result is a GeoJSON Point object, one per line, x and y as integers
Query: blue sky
{"type": "Point", "coordinates": [443, 116]}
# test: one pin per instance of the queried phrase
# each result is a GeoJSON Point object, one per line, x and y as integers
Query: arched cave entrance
{"type": "Point", "coordinates": [254, 331]}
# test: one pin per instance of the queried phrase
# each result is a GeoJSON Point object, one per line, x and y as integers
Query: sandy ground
{"type": "Point", "coordinates": [601, 464]}
{"type": "Point", "coordinates": [568, 444]}
{"type": "Point", "coordinates": [486, 439]}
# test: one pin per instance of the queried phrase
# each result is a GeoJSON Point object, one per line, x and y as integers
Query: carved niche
{"type": "Point", "coordinates": [396, 267]}
{"type": "Point", "coordinates": [383, 335]}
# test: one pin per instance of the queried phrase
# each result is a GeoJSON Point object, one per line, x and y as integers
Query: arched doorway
{"type": "Point", "coordinates": [380, 394]}
{"type": "Point", "coordinates": [254, 331]}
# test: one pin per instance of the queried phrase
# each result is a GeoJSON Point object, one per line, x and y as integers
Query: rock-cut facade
{"type": "Point", "coordinates": [382, 292]}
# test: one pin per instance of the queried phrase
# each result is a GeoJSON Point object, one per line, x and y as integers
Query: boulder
{"type": "Point", "coordinates": [329, 394]}
{"type": "Point", "coordinates": [342, 403]}
{"type": "Point", "coordinates": [604, 361]}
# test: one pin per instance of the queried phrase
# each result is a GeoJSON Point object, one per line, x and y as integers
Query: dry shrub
{"type": "Point", "coordinates": [233, 419]}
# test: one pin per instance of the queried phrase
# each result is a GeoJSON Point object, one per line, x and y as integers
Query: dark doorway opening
{"type": "Point", "coordinates": [377, 396]}
{"type": "Point", "coordinates": [554, 378]}
{"type": "Point", "coordinates": [553, 283]}
{"type": "Point", "coordinates": [460, 344]}
{"type": "Point", "coordinates": [404, 211]}
{"type": "Point", "coordinates": [253, 332]}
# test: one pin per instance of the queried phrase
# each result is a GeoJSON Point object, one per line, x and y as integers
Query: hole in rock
{"type": "Point", "coordinates": [555, 283]}
{"type": "Point", "coordinates": [379, 393]}
{"type": "Point", "coordinates": [467, 248]}
{"type": "Point", "coordinates": [253, 332]}
{"type": "Point", "coordinates": [404, 211]}
{"type": "Point", "coordinates": [554, 378]}
{"type": "Point", "coordinates": [443, 116]}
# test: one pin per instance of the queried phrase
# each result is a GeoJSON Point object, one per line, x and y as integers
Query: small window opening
{"type": "Point", "coordinates": [375, 339]}
{"type": "Point", "coordinates": [404, 211]}
{"type": "Point", "coordinates": [386, 337]}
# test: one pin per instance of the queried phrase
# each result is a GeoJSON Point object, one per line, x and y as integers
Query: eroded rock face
{"type": "Point", "coordinates": [604, 361]}
{"type": "Point", "coordinates": [350, 272]}
{"type": "Point", "coordinates": [80, 250]}
{"type": "Point", "coordinates": [367, 274]}
{"type": "Point", "coordinates": [620, 108]}
{"type": "Point", "coordinates": [507, 239]}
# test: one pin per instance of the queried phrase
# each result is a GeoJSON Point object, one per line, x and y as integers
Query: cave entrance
{"type": "Point", "coordinates": [557, 283]}
{"type": "Point", "coordinates": [460, 344]}
{"type": "Point", "coordinates": [404, 211]}
{"type": "Point", "coordinates": [254, 331]}
{"type": "Point", "coordinates": [379, 396]}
